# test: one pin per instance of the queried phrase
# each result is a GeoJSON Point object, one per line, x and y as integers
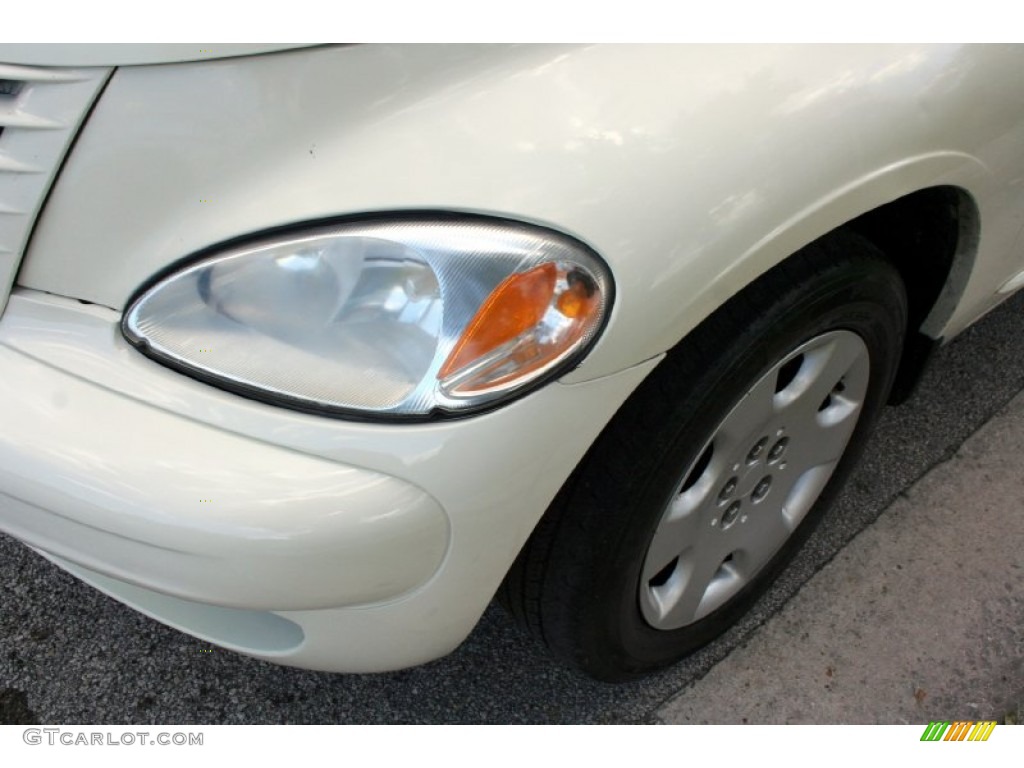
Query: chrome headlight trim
{"type": "Point", "coordinates": [207, 318]}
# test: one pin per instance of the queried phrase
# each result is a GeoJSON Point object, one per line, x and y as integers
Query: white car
{"type": "Point", "coordinates": [309, 352]}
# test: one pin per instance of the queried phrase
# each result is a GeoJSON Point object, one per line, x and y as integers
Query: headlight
{"type": "Point", "coordinates": [388, 317]}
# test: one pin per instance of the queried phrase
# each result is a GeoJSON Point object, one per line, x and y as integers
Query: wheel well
{"type": "Point", "coordinates": [930, 237]}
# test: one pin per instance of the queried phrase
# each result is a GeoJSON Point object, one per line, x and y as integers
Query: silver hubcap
{"type": "Point", "coordinates": [755, 480]}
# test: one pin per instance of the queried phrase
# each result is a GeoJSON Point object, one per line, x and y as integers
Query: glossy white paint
{"type": "Point", "coordinates": [690, 170]}
{"type": "Point", "coordinates": [164, 502]}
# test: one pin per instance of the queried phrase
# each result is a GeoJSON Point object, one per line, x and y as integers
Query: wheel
{"type": "Point", "coordinates": [715, 471]}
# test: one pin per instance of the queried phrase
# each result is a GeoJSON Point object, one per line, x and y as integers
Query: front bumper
{"type": "Point", "coordinates": [160, 501]}
{"type": "Point", "coordinates": [306, 540]}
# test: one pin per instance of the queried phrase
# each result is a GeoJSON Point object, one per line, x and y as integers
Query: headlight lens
{"type": "Point", "coordinates": [401, 318]}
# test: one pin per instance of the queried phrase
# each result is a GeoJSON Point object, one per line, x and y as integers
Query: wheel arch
{"type": "Point", "coordinates": [921, 213]}
{"type": "Point", "coordinates": [931, 237]}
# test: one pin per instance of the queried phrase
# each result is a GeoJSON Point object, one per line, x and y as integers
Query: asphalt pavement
{"type": "Point", "coordinates": [907, 604]}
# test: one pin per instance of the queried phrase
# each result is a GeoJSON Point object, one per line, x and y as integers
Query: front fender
{"type": "Point", "coordinates": [692, 170]}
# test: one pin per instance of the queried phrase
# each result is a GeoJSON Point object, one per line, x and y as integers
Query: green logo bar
{"type": "Point", "coordinates": [934, 730]}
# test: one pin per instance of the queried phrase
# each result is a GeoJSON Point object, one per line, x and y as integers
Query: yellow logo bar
{"type": "Point", "coordinates": [982, 730]}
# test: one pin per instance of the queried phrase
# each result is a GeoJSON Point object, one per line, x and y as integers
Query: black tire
{"type": "Point", "coordinates": [583, 584]}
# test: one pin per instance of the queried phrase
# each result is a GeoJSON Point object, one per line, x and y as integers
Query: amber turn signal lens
{"type": "Point", "coordinates": [531, 321]}
{"type": "Point", "coordinates": [515, 306]}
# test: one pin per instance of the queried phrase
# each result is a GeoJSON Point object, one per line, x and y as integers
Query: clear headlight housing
{"type": "Point", "coordinates": [402, 318]}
